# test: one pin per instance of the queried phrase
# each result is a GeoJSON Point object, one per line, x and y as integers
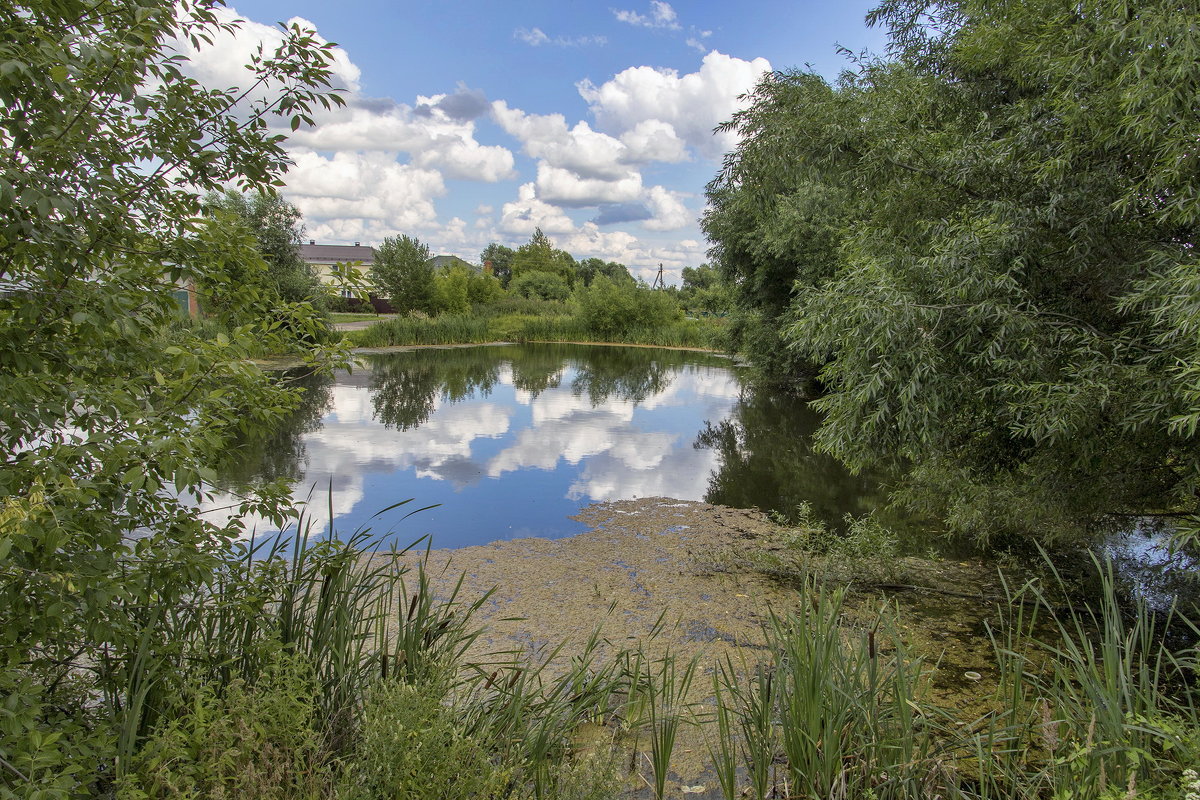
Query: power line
{"type": "Point", "coordinates": [659, 283]}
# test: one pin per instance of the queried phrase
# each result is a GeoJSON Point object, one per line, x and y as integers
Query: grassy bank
{"type": "Point", "coordinates": [303, 669]}
{"type": "Point", "coordinates": [456, 329]}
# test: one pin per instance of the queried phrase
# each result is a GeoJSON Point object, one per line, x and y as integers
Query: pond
{"type": "Point", "coordinates": [510, 441]}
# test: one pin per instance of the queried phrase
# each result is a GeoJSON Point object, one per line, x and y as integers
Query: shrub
{"type": "Point", "coordinates": [241, 740]}
{"type": "Point", "coordinates": [483, 289]}
{"type": "Point", "coordinates": [615, 309]}
{"type": "Point", "coordinates": [412, 747]}
{"type": "Point", "coordinates": [450, 291]}
{"type": "Point", "coordinates": [540, 285]}
{"type": "Point", "coordinates": [349, 305]}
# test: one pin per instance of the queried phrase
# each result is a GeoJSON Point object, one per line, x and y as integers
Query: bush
{"type": "Point", "coordinates": [483, 289]}
{"type": "Point", "coordinates": [349, 305]}
{"type": "Point", "coordinates": [412, 747]}
{"type": "Point", "coordinates": [540, 285]}
{"type": "Point", "coordinates": [864, 537]}
{"type": "Point", "coordinates": [617, 309]}
{"type": "Point", "coordinates": [240, 740]}
{"type": "Point", "coordinates": [451, 292]}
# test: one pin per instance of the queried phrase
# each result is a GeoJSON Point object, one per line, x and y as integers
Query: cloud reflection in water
{"type": "Point", "coordinates": [513, 440]}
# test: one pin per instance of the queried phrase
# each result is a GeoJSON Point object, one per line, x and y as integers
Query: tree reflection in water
{"type": "Point", "coordinates": [557, 425]}
{"type": "Point", "coordinates": [768, 461]}
{"type": "Point", "coordinates": [406, 387]}
{"type": "Point", "coordinates": [275, 453]}
{"type": "Point", "coordinates": [624, 373]}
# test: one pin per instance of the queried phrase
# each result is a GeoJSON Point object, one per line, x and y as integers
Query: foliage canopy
{"type": "Point", "coordinates": [987, 243]}
{"type": "Point", "coordinates": [540, 255]}
{"type": "Point", "coordinates": [591, 268]}
{"type": "Point", "coordinates": [403, 274]}
{"type": "Point", "coordinates": [111, 411]}
{"type": "Point", "coordinates": [540, 285]}
{"type": "Point", "coordinates": [278, 229]}
{"type": "Point", "coordinates": [616, 308]}
{"type": "Point", "coordinates": [501, 261]}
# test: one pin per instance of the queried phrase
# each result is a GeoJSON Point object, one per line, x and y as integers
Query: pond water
{"type": "Point", "coordinates": [510, 441]}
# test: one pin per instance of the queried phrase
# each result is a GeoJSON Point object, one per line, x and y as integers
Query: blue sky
{"type": "Point", "coordinates": [471, 121]}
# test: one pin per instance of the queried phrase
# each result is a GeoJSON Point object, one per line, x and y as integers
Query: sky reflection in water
{"type": "Point", "coordinates": [510, 441]}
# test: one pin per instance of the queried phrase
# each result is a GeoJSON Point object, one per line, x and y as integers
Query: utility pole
{"type": "Point", "coordinates": [659, 283]}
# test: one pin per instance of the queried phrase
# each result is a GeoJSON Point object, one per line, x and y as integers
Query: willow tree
{"type": "Point", "coordinates": [986, 243]}
{"type": "Point", "coordinates": [112, 410]}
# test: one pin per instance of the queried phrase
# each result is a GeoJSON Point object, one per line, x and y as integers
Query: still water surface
{"type": "Point", "coordinates": [510, 441]}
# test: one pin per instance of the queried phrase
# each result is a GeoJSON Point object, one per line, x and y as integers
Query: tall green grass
{"type": "Point", "coordinates": [444, 329]}
{"type": "Point", "coordinates": [326, 604]}
{"type": "Point", "coordinates": [313, 667]}
{"type": "Point", "coordinates": [1090, 702]}
{"type": "Point", "coordinates": [836, 712]}
{"type": "Point", "coordinates": [1093, 700]}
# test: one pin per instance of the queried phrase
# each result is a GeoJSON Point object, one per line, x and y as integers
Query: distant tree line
{"type": "Point", "coordinates": [403, 272]}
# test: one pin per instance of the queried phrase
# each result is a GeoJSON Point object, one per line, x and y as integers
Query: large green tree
{"type": "Point", "coordinates": [540, 255]}
{"type": "Point", "coordinates": [776, 214]}
{"type": "Point", "coordinates": [500, 258]}
{"type": "Point", "coordinates": [704, 290]}
{"type": "Point", "coordinates": [987, 242]}
{"type": "Point", "coordinates": [403, 274]}
{"type": "Point", "coordinates": [278, 228]}
{"type": "Point", "coordinates": [110, 413]}
{"type": "Point", "coordinates": [591, 268]}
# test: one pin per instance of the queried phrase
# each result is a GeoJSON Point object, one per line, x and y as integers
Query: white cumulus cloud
{"type": "Point", "coordinates": [528, 212]}
{"type": "Point", "coordinates": [654, 140]}
{"type": "Point", "coordinates": [562, 187]}
{"type": "Point", "coordinates": [356, 195]}
{"type": "Point", "coordinates": [431, 136]}
{"type": "Point", "coordinates": [669, 212]}
{"type": "Point", "coordinates": [692, 104]}
{"type": "Point", "coordinates": [587, 153]}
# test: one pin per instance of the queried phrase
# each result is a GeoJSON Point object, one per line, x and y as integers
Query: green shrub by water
{"type": "Point", "coordinates": [237, 739]}
{"type": "Point", "coordinates": [412, 747]}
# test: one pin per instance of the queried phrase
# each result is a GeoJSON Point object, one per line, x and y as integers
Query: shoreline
{"type": "Point", "coordinates": [285, 362]}
{"type": "Point", "coordinates": [677, 577]}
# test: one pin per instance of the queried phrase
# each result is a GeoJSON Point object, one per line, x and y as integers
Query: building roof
{"type": "Point", "coordinates": [336, 253]}
{"type": "Point", "coordinates": [437, 262]}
